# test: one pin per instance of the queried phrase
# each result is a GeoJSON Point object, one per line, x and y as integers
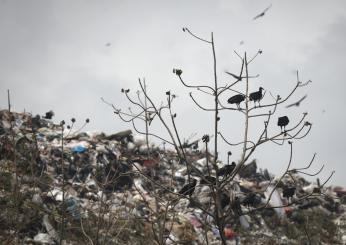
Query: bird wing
{"type": "Point", "coordinates": [258, 16]}
{"type": "Point", "coordinates": [184, 189]}
{"type": "Point", "coordinates": [302, 99]}
{"type": "Point", "coordinates": [294, 104]}
{"type": "Point", "coordinates": [267, 8]}
{"type": "Point", "coordinates": [263, 12]}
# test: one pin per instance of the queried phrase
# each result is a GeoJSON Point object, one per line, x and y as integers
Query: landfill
{"type": "Point", "coordinates": [63, 187]}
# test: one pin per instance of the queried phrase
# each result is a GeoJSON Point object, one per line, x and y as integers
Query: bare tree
{"type": "Point", "coordinates": [147, 111]}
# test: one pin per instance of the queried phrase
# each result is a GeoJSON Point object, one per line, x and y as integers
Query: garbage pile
{"type": "Point", "coordinates": [119, 189]}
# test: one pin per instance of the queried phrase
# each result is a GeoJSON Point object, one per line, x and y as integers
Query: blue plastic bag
{"type": "Point", "coordinates": [79, 149]}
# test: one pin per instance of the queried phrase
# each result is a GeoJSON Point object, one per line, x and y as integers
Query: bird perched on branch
{"type": "Point", "coordinates": [224, 200]}
{"type": "Point", "coordinates": [193, 145]}
{"type": "Point", "coordinates": [283, 122]}
{"type": "Point", "coordinates": [227, 170]}
{"type": "Point", "coordinates": [256, 96]}
{"type": "Point", "coordinates": [235, 206]}
{"type": "Point", "coordinates": [188, 189]}
{"type": "Point", "coordinates": [236, 99]}
{"type": "Point", "coordinates": [262, 13]}
{"type": "Point", "coordinates": [297, 103]}
{"type": "Point", "coordinates": [288, 192]}
{"type": "Point", "coordinates": [252, 199]}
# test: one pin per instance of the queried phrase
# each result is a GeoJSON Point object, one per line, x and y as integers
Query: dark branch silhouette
{"type": "Point", "coordinates": [298, 102]}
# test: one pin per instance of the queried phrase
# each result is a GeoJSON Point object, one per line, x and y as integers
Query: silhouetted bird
{"type": "Point", "coordinates": [208, 180]}
{"type": "Point", "coordinates": [236, 99]}
{"type": "Point", "coordinates": [227, 170]}
{"type": "Point", "coordinates": [193, 145]}
{"type": "Point", "coordinates": [36, 121]}
{"type": "Point", "coordinates": [288, 192]}
{"type": "Point", "coordinates": [49, 115]}
{"type": "Point", "coordinates": [224, 200]}
{"type": "Point", "coordinates": [256, 96]}
{"type": "Point", "coordinates": [298, 102]}
{"type": "Point", "coordinates": [283, 122]}
{"type": "Point", "coordinates": [188, 189]}
{"type": "Point", "coordinates": [236, 206]}
{"type": "Point", "coordinates": [262, 13]}
{"type": "Point", "coordinates": [316, 190]}
{"type": "Point", "coordinates": [252, 200]}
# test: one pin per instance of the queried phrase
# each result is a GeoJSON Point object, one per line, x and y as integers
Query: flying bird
{"type": "Point", "coordinates": [236, 99]}
{"type": "Point", "coordinates": [283, 122]}
{"type": "Point", "coordinates": [108, 44]}
{"type": "Point", "coordinates": [227, 170]}
{"type": "Point", "coordinates": [256, 96]}
{"type": "Point", "coordinates": [298, 102]}
{"type": "Point", "coordinates": [188, 189]}
{"type": "Point", "coordinates": [262, 13]}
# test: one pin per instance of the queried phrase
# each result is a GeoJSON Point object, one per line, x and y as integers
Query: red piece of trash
{"type": "Point", "coordinates": [229, 233]}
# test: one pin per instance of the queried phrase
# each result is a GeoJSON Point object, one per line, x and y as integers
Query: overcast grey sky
{"type": "Point", "coordinates": [54, 56]}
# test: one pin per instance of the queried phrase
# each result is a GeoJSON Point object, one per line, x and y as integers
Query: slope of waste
{"type": "Point", "coordinates": [117, 192]}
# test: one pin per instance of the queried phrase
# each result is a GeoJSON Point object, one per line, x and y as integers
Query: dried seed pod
{"type": "Point", "coordinates": [205, 138]}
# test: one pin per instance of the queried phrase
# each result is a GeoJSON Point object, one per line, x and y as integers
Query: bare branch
{"type": "Point", "coordinates": [319, 171]}
{"type": "Point", "coordinates": [330, 176]}
{"type": "Point", "coordinates": [193, 99]}
{"type": "Point", "coordinates": [195, 86]}
{"type": "Point", "coordinates": [304, 168]}
{"type": "Point", "coordinates": [195, 36]}
{"type": "Point", "coordinates": [151, 134]}
{"type": "Point", "coordinates": [258, 52]}
{"type": "Point", "coordinates": [235, 144]}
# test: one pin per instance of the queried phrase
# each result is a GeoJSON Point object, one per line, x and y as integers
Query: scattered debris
{"type": "Point", "coordinates": [97, 179]}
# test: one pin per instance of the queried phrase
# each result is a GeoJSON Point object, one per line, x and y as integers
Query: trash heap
{"type": "Point", "coordinates": [120, 190]}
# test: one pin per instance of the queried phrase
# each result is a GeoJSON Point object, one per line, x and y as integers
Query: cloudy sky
{"type": "Point", "coordinates": [65, 55]}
